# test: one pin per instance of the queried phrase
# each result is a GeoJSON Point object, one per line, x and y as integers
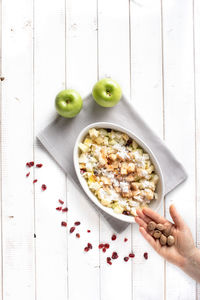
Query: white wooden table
{"type": "Point", "coordinates": [152, 48]}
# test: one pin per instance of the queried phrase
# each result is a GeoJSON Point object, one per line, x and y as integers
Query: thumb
{"type": "Point", "coordinates": [176, 217]}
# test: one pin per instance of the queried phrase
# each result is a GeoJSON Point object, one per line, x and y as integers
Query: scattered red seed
{"type": "Point", "coordinates": [27, 174]}
{"type": "Point", "coordinates": [88, 231]}
{"type": "Point", "coordinates": [107, 246]}
{"type": "Point", "coordinates": [125, 240]}
{"type": "Point", "coordinates": [82, 171]}
{"type": "Point", "coordinates": [60, 201]}
{"type": "Point", "coordinates": [109, 262]}
{"type": "Point", "coordinates": [63, 224]}
{"type": "Point", "coordinates": [113, 238]}
{"type": "Point", "coordinates": [115, 255]}
{"type": "Point", "coordinates": [86, 249]}
{"type": "Point", "coordinates": [126, 258]}
{"type": "Point", "coordinates": [59, 208]}
{"type": "Point", "coordinates": [101, 246]}
{"type": "Point", "coordinates": [35, 180]}
{"type": "Point", "coordinates": [39, 165]}
{"type": "Point", "coordinates": [77, 223]}
{"type": "Point", "coordinates": [146, 255]}
{"type": "Point", "coordinates": [30, 164]}
{"type": "Point", "coordinates": [72, 229]}
{"type": "Point", "coordinates": [89, 246]}
{"type": "Point", "coordinates": [131, 255]}
{"type": "Point", "coordinates": [65, 209]}
{"type": "Point", "coordinates": [44, 187]}
{"type": "Point", "coordinates": [108, 259]}
{"type": "Point", "coordinates": [78, 235]}
{"type": "Point", "coordinates": [104, 249]}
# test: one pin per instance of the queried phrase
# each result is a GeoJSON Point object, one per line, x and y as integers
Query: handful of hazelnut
{"type": "Point", "coordinates": [161, 232]}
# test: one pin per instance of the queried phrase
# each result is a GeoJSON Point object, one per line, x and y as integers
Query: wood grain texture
{"type": "Point", "coordinates": [17, 148]}
{"type": "Point", "coordinates": [147, 98]}
{"type": "Point", "coordinates": [179, 123]}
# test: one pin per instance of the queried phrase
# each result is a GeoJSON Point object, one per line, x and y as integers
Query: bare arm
{"type": "Point", "coordinates": [183, 253]}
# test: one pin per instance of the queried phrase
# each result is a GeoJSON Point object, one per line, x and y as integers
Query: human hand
{"type": "Point", "coordinates": [183, 248]}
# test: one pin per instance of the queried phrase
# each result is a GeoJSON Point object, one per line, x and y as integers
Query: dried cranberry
{"type": "Point", "coordinates": [146, 255]}
{"type": "Point", "coordinates": [59, 208]}
{"type": "Point", "coordinates": [86, 249]}
{"type": "Point", "coordinates": [113, 237]}
{"type": "Point", "coordinates": [115, 255]}
{"type": "Point", "coordinates": [35, 180]}
{"type": "Point", "coordinates": [77, 223]}
{"type": "Point", "coordinates": [125, 239]}
{"type": "Point", "coordinates": [104, 249]}
{"type": "Point", "coordinates": [39, 165]}
{"type": "Point", "coordinates": [88, 231]}
{"type": "Point", "coordinates": [131, 255]}
{"type": "Point", "coordinates": [65, 209]}
{"type": "Point", "coordinates": [44, 187]}
{"type": "Point", "coordinates": [126, 212]}
{"type": "Point", "coordinates": [60, 201]}
{"type": "Point", "coordinates": [82, 171]}
{"type": "Point", "coordinates": [63, 224]}
{"type": "Point", "coordinates": [89, 245]}
{"type": "Point", "coordinates": [27, 174]}
{"type": "Point", "coordinates": [107, 246]}
{"type": "Point", "coordinates": [78, 235]}
{"type": "Point", "coordinates": [72, 229]}
{"type": "Point", "coordinates": [101, 246]}
{"type": "Point", "coordinates": [126, 258]}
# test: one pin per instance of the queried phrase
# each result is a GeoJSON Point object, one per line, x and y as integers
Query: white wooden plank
{"type": "Point", "coordinates": [17, 148]}
{"type": "Point", "coordinates": [81, 73]}
{"type": "Point", "coordinates": [146, 58]}
{"type": "Point", "coordinates": [49, 79]}
{"type": "Point", "coordinates": [180, 125]}
{"type": "Point", "coordinates": [196, 11]}
{"type": "Point", "coordinates": [114, 61]}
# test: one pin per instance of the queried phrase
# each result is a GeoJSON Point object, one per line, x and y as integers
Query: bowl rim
{"type": "Point", "coordinates": [83, 183]}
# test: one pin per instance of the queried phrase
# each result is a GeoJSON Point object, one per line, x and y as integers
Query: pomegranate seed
{"type": "Point", "coordinates": [104, 249]}
{"type": "Point", "coordinates": [86, 249]}
{"type": "Point", "coordinates": [82, 171]}
{"type": "Point", "coordinates": [72, 229]}
{"type": "Point", "coordinates": [113, 237]}
{"type": "Point", "coordinates": [107, 246]}
{"type": "Point", "coordinates": [31, 163]}
{"type": "Point", "coordinates": [35, 180]}
{"type": "Point", "coordinates": [108, 259]}
{"type": "Point", "coordinates": [77, 223]}
{"type": "Point", "coordinates": [27, 174]}
{"type": "Point", "coordinates": [126, 258]}
{"type": "Point", "coordinates": [39, 165]}
{"type": "Point", "coordinates": [109, 262]}
{"type": "Point", "coordinates": [115, 255]}
{"type": "Point", "coordinates": [131, 255]}
{"type": "Point", "coordinates": [78, 235]}
{"type": "Point", "coordinates": [88, 231]}
{"type": "Point", "coordinates": [125, 240]}
{"type": "Point", "coordinates": [146, 255]}
{"type": "Point", "coordinates": [44, 187]}
{"type": "Point", "coordinates": [59, 208]}
{"type": "Point", "coordinates": [63, 224]}
{"type": "Point", "coordinates": [101, 246]}
{"type": "Point", "coordinates": [60, 201]}
{"type": "Point", "coordinates": [65, 209]}
{"type": "Point", "coordinates": [89, 246]}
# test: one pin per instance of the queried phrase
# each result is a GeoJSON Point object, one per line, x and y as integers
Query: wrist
{"type": "Point", "coordinates": [191, 260]}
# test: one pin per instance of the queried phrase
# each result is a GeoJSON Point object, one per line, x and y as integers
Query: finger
{"type": "Point", "coordinates": [148, 238]}
{"type": "Point", "coordinates": [142, 216]}
{"type": "Point", "coordinates": [153, 215]}
{"type": "Point", "coordinates": [176, 217]}
{"type": "Point", "coordinates": [140, 222]}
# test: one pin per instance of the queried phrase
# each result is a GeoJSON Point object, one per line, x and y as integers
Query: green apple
{"type": "Point", "coordinates": [107, 92]}
{"type": "Point", "coordinates": [68, 103]}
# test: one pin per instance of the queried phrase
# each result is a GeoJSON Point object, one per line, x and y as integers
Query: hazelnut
{"type": "Point", "coordinates": [160, 227]}
{"type": "Point", "coordinates": [170, 240]}
{"type": "Point", "coordinates": [163, 240]}
{"type": "Point", "coordinates": [167, 230]}
{"type": "Point", "coordinates": [151, 226]}
{"type": "Point", "coordinates": [157, 233]}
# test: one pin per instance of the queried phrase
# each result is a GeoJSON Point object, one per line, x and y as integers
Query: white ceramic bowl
{"type": "Point", "coordinates": [160, 185]}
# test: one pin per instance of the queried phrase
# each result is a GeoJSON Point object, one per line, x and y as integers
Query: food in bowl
{"type": "Point", "coordinates": [117, 170]}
